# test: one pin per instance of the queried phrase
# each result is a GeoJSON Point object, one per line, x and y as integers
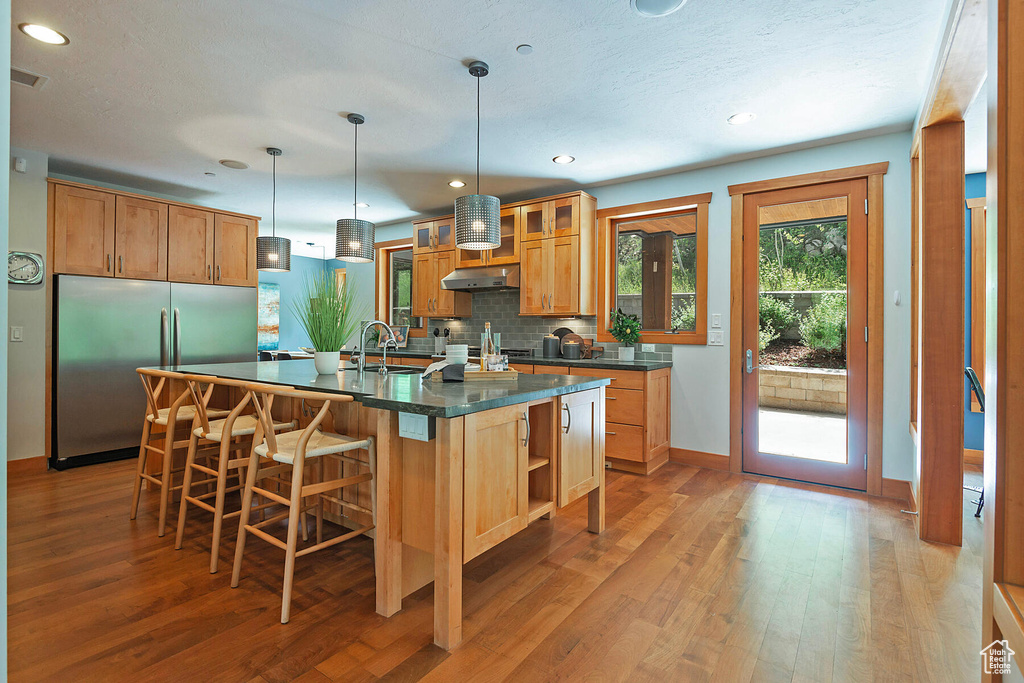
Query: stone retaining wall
{"type": "Point", "coordinates": [811, 389]}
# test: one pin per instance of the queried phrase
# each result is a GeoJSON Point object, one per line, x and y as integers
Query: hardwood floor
{"type": "Point", "coordinates": [701, 575]}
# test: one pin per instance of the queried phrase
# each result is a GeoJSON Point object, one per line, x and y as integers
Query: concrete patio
{"type": "Point", "coordinates": [802, 434]}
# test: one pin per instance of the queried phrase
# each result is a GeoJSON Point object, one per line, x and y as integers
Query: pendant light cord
{"type": "Point", "coordinates": [478, 135]}
{"type": "Point", "coordinates": [273, 204]}
{"type": "Point", "coordinates": [355, 176]}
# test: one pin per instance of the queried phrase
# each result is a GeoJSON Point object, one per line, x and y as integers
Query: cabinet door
{"type": "Point", "coordinates": [189, 245]}
{"type": "Point", "coordinates": [564, 287]}
{"type": "Point", "coordinates": [234, 255]}
{"type": "Point", "coordinates": [581, 444]}
{"type": "Point", "coordinates": [534, 221]}
{"type": "Point", "coordinates": [508, 251]}
{"type": "Point", "coordinates": [444, 234]}
{"type": "Point", "coordinates": [534, 277]}
{"type": "Point", "coordinates": [140, 236]}
{"type": "Point", "coordinates": [422, 237]}
{"type": "Point", "coordinates": [497, 497]}
{"type": "Point", "coordinates": [83, 231]}
{"type": "Point", "coordinates": [444, 299]}
{"type": "Point", "coordinates": [471, 258]}
{"type": "Point", "coordinates": [564, 217]}
{"type": "Point", "coordinates": [422, 285]}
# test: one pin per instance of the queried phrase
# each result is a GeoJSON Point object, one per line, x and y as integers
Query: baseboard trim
{"type": "Point", "coordinates": [897, 489]}
{"type": "Point", "coordinates": [27, 465]}
{"type": "Point", "coordinates": [634, 467]}
{"type": "Point", "coordinates": [711, 461]}
{"type": "Point", "coordinates": [974, 457]}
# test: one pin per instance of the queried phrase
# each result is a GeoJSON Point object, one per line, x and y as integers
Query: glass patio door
{"type": "Point", "coordinates": [805, 334]}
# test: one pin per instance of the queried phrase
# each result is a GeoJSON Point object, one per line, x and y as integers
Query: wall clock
{"type": "Point", "coordinates": [24, 268]}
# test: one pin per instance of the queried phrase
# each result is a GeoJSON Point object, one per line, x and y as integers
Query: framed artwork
{"type": "Point", "coordinates": [401, 336]}
{"type": "Point", "coordinates": [268, 316]}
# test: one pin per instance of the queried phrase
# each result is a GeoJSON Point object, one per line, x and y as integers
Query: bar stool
{"type": "Point", "coordinates": [180, 410]}
{"type": "Point", "coordinates": [225, 433]}
{"type": "Point", "coordinates": [291, 452]}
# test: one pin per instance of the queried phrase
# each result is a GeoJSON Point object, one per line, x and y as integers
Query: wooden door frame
{"type": "Point", "coordinates": [876, 306]}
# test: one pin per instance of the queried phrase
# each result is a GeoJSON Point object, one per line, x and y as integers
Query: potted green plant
{"type": "Point", "coordinates": [626, 330]}
{"type": "Point", "coordinates": [328, 313]}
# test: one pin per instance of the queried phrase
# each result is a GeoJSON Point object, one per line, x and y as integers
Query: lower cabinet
{"type": "Point", "coordinates": [581, 444]}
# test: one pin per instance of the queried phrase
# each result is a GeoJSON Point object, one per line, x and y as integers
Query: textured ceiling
{"type": "Point", "coordinates": [152, 93]}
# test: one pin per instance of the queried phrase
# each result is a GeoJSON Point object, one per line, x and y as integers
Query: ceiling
{"type": "Point", "coordinates": [151, 94]}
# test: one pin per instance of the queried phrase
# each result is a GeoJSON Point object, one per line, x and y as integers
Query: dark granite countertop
{"type": "Point", "coordinates": [603, 363]}
{"type": "Point", "coordinates": [401, 393]}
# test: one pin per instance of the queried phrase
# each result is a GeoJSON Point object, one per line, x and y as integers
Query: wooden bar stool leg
{"type": "Point", "coordinates": [143, 454]}
{"type": "Point", "coordinates": [218, 510]}
{"type": "Point", "coordinates": [243, 518]}
{"type": "Point", "coordinates": [186, 488]}
{"type": "Point", "coordinates": [294, 515]}
{"type": "Point", "coordinates": [165, 479]}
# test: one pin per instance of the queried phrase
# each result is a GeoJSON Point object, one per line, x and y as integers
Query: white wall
{"type": "Point", "coordinates": [700, 374]}
{"type": "Point", "coordinates": [26, 360]}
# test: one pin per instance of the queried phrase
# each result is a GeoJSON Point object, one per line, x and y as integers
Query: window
{"type": "Point", "coordinates": [653, 264]}
{"type": "Point", "coordinates": [394, 286]}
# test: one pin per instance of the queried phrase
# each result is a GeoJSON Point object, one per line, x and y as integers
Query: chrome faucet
{"type": "Point", "coordinates": [361, 351]}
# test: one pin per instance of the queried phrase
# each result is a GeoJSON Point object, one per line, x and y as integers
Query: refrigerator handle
{"type": "Point", "coordinates": [177, 337]}
{"type": "Point", "coordinates": [165, 351]}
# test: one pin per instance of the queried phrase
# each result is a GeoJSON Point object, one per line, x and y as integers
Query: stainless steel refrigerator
{"type": "Point", "coordinates": [105, 328]}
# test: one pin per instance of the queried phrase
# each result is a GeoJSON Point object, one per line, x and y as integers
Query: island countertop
{"type": "Point", "coordinates": [401, 392]}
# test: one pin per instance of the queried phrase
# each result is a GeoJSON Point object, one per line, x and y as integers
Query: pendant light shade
{"type": "Point", "coordinates": [274, 253]}
{"type": "Point", "coordinates": [478, 216]}
{"type": "Point", "coordinates": [355, 237]}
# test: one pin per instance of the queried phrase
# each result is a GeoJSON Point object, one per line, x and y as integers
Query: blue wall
{"type": "Point", "coordinates": [292, 285]}
{"type": "Point", "coordinates": [974, 423]}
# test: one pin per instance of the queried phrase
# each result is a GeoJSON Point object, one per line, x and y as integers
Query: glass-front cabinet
{"type": "Point", "coordinates": [435, 235]}
{"type": "Point", "coordinates": [506, 253]}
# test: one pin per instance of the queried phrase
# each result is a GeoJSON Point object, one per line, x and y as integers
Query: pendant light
{"type": "Point", "coordinates": [274, 253]}
{"type": "Point", "coordinates": [355, 237]}
{"type": "Point", "coordinates": [477, 216]}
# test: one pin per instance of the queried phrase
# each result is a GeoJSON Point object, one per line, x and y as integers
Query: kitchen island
{"type": "Point", "coordinates": [470, 465]}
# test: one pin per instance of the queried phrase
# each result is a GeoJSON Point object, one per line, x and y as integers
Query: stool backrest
{"type": "Point", "coordinates": [263, 401]}
{"type": "Point", "coordinates": [154, 381]}
{"type": "Point", "coordinates": [201, 388]}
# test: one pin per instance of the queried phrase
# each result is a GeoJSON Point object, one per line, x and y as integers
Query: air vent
{"type": "Point", "coordinates": [28, 78]}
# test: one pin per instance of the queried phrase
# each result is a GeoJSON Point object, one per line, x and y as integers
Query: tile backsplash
{"type": "Point", "coordinates": [501, 309]}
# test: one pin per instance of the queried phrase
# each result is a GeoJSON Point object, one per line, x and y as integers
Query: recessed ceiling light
{"type": "Point", "coordinates": [741, 118]}
{"type": "Point", "coordinates": [655, 8]}
{"type": "Point", "coordinates": [524, 49]}
{"type": "Point", "coordinates": [564, 159]}
{"type": "Point", "coordinates": [44, 34]}
{"type": "Point", "coordinates": [456, 183]}
{"type": "Point", "coordinates": [237, 165]}
{"type": "Point", "coordinates": [362, 205]}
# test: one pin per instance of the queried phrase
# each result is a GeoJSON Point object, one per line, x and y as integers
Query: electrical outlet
{"type": "Point", "coordinates": [715, 338]}
{"type": "Point", "coordinates": [647, 348]}
{"type": "Point", "coordinates": [716, 320]}
{"type": "Point", "coordinates": [17, 333]}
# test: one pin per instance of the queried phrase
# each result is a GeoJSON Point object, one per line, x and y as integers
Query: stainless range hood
{"type": "Point", "coordinates": [487, 277]}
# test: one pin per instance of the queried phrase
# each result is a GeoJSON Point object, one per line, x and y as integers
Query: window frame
{"type": "Point", "coordinates": [382, 281]}
{"type": "Point", "coordinates": [607, 226]}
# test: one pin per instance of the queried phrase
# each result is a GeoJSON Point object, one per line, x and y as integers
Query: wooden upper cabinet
{"type": "Point", "coordinates": [444, 234]}
{"type": "Point", "coordinates": [422, 285]}
{"type": "Point", "coordinates": [83, 231]}
{"type": "Point", "coordinates": [190, 245]}
{"type": "Point", "coordinates": [433, 236]}
{"type": "Point", "coordinates": [534, 220]}
{"type": "Point", "coordinates": [140, 239]}
{"type": "Point", "coordinates": [564, 286]}
{"type": "Point", "coordinates": [564, 217]}
{"type": "Point", "coordinates": [448, 303]}
{"type": "Point", "coordinates": [423, 237]}
{"type": "Point", "coordinates": [497, 497]}
{"type": "Point", "coordinates": [506, 253]}
{"type": "Point", "coordinates": [534, 277]}
{"type": "Point", "coordinates": [234, 244]}
{"type": "Point", "coordinates": [582, 444]}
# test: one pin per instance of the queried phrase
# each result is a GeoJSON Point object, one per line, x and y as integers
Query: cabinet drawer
{"type": "Point", "coordinates": [625, 406]}
{"type": "Point", "coordinates": [625, 442]}
{"type": "Point", "coordinates": [621, 379]}
{"type": "Point", "coordinates": [550, 370]}
{"type": "Point", "coordinates": [522, 367]}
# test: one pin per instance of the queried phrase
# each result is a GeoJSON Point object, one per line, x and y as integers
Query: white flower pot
{"type": "Point", "coordinates": [627, 353]}
{"type": "Point", "coordinates": [327, 362]}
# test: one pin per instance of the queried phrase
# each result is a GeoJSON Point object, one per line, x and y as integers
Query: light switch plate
{"type": "Point", "coordinates": [647, 348]}
{"type": "Point", "coordinates": [716, 320]}
{"type": "Point", "coordinates": [715, 338]}
{"type": "Point", "coordinates": [17, 333]}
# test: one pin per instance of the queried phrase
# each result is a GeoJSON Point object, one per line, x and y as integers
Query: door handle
{"type": "Point", "coordinates": [568, 416]}
{"type": "Point", "coordinates": [611, 398]}
{"type": "Point", "coordinates": [750, 362]}
{"type": "Point", "coordinates": [209, 272]}
{"type": "Point", "coordinates": [610, 433]}
{"type": "Point", "coordinates": [526, 416]}
{"type": "Point", "coordinates": [120, 263]}
{"type": "Point", "coordinates": [109, 265]}
{"type": "Point", "coordinates": [165, 351]}
{"type": "Point", "coordinates": [543, 302]}
{"type": "Point", "coordinates": [177, 337]}
{"type": "Point", "coordinates": [218, 272]}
